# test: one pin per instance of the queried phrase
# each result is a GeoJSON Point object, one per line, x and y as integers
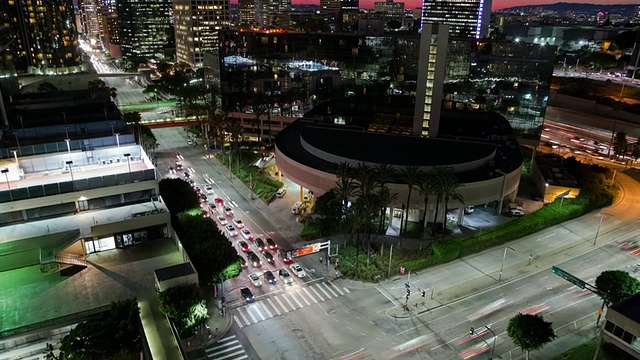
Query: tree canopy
{"type": "Point", "coordinates": [620, 143]}
{"type": "Point", "coordinates": [114, 334]}
{"type": "Point", "coordinates": [211, 253]}
{"type": "Point", "coordinates": [178, 195]}
{"type": "Point", "coordinates": [617, 285]}
{"type": "Point", "coordinates": [530, 332]}
{"type": "Point", "coordinates": [185, 307]}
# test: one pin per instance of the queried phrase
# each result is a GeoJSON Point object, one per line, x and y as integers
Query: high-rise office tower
{"type": "Point", "coordinates": [432, 62]}
{"type": "Point", "coordinates": [273, 13]}
{"type": "Point", "coordinates": [349, 10]}
{"type": "Point", "coordinates": [247, 10]}
{"type": "Point", "coordinates": [197, 23]}
{"type": "Point", "coordinates": [329, 10]}
{"type": "Point", "coordinates": [145, 28]}
{"type": "Point", "coordinates": [45, 38]}
{"type": "Point", "coordinates": [390, 10]}
{"type": "Point", "coordinates": [90, 18]}
{"type": "Point", "coordinates": [466, 18]}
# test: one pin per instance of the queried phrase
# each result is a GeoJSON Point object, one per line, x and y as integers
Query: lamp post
{"type": "Point", "coordinates": [117, 138]}
{"type": "Point", "coordinates": [595, 239]}
{"type": "Point", "coordinates": [390, 254]}
{"type": "Point", "coordinates": [493, 349]}
{"type": "Point", "coordinates": [67, 140]}
{"type": "Point", "coordinates": [15, 133]}
{"type": "Point", "coordinates": [503, 258]}
{"type": "Point", "coordinates": [128, 156]}
{"type": "Point", "coordinates": [5, 171]}
{"type": "Point", "coordinates": [504, 186]}
{"type": "Point", "coordinates": [70, 165]}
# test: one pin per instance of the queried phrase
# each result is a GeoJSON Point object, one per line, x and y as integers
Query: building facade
{"type": "Point", "coordinates": [272, 13]}
{"type": "Point", "coordinates": [197, 24]}
{"type": "Point", "coordinates": [45, 38]}
{"type": "Point", "coordinates": [390, 10]}
{"type": "Point", "coordinates": [90, 14]}
{"type": "Point", "coordinates": [145, 29]}
{"type": "Point", "coordinates": [247, 12]}
{"type": "Point", "coordinates": [329, 10]}
{"type": "Point", "coordinates": [466, 19]}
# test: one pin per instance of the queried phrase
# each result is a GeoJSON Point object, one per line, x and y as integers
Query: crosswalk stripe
{"type": "Point", "coordinates": [293, 307]}
{"type": "Point", "coordinates": [281, 304]}
{"type": "Point", "coordinates": [235, 318]}
{"type": "Point", "coordinates": [337, 289]}
{"type": "Point", "coordinates": [310, 296]}
{"type": "Point", "coordinates": [244, 317]}
{"type": "Point", "coordinates": [274, 307]}
{"type": "Point", "coordinates": [226, 338]}
{"type": "Point", "coordinates": [227, 349]}
{"type": "Point", "coordinates": [346, 290]}
{"type": "Point", "coordinates": [317, 293]}
{"type": "Point", "coordinates": [221, 346]}
{"type": "Point", "coordinates": [324, 292]}
{"type": "Point", "coordinates": [264, 307]}
{"type": "Point", "coordinates": [299, 293]}
{"type": "Point", "coordinates": [329, 288]}
{"type": "Point", "coordinates": [296, 300]}
{"type": "Point", "coordinates": [257, 310]}
{"type": "Point", "coordinates": [228, 356]}
{"type": "Point", "coordinates": [252, 316]}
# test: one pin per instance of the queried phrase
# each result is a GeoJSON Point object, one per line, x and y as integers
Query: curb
{"type": "Point", "coordinates": [223, 332]}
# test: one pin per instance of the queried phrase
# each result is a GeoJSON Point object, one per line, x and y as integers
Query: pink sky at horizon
{"type": "Point", "coordinates": [497, 4]}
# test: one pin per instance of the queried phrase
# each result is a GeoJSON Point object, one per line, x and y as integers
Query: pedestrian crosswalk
{"type": "Point", "coordinates": [227, 348]}
{"type": "Point", "coordinates": [292, 299]}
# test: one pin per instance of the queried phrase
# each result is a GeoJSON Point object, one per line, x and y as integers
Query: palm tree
{"type": "Point", "coordinates": [437, 176]}
{"type": "Point", "coordinates": [449, 186]}
{"type": "Point", "coordinates": [345, 189]}
{"type": "Point", "coordinates": [411, 175]}
{"type": "Point", "coordinates": [426, 187]}
{"type": "Point", "coordinates": [344, 170]}
{"type": "Point", "coordinates": [234, 128]}
{"type": "Point", "coordinates": [385, 199]}
{"type": "Point", "coordinates": [365, 178]}
{"type": "Point", "coordinates": [133, 118]}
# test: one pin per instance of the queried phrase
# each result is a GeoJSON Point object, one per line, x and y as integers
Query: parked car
{"type": "Point", "coordinates": [469, 209]}
{"type": "Point", "coordinates": [281, 192]}
{"type": "Point", "coordinates": [238, 223]}
{"type": "Point", "coordinates": [260, 244]}
{"type": "Point", "coordinates": [255, 279]}
{"type": "Point", "coordinates": [296, 208]}
{"type": "Point", "coordinates": [298, 270]}
{"type": "Point", "coordinates": [267, 256]}
{"type": "Point", "coordinates": [272, 245]}
{"type": "Point", "coordinates": [271, 279]}
{"type": "Point", "coordinates": [286, 277]}
{"type": "Point", "coordinates": [231, 230]}
{"type": "Point", "coordinates": [246, 234]}
{"type": "Point", "coordinates": [247, 295]}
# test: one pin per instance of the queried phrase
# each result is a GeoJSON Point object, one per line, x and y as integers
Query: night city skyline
{"type": "Point", "coordinates": [497, 5]}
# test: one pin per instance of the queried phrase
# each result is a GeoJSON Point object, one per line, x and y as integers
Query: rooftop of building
{"type": "Point", "coordinates": [629, 307]}
{"type": "Point", "coordinates": [174, 271]}
{"type": "Point", "coordinates": [555, 172]}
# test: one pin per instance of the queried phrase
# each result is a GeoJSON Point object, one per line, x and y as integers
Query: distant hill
{"type": "Point", "coordinates": [622, 9]}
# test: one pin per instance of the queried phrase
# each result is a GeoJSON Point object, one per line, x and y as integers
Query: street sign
{"type": "Point", "coordinates": [407, 285]}
{"type": "Point", "coordinates": [563, 194]}
{"type": "Point", "coordinates": [305, 250]}
{"type": "Point", "coordinates": [570, 278]}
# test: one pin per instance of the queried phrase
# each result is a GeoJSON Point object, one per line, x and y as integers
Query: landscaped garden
{"type": "Point", "coordinates": [242, 166]}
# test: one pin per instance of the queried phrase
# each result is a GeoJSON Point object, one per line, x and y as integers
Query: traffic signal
{"type": "Point", "coordinates": [423, 293]}
{"type": "Point", "coordinates": [471, 331]}
{"type": "Point", "coordinates": [408, 292]}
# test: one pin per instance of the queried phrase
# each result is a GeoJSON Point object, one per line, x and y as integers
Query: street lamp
{"type": "Point", "coordinates": [117, 138]}
{"type": "Point", "coordinates": [472, 331]}
{"type": "Point", "coordinates": [67, 140]}
{"type": "Point", "coordinates": [5, 171]}
{"type": "Point", "coordinates": [390, 254]}
{"type": "Point", "coordinates": [128, 156]}
{"type": "Point", "coordinates": [503, 258]}
{"type": "Point", "coordinates": [595, 239]}
{"type": "Point", "coordinates": [70, 165]}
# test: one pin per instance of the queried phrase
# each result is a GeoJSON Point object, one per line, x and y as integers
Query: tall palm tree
{"type": "Point", "coordinates": [345, 189]}
{"type": "Point", "coordinates": [356, 222]}
{"type": "Point", "coordinates": [426, 187]}
{"type": "Point", "coordinates": [411, 175]}
{"type": "Point", "coordinates": [437, 176]}
{"type": "Point", "coordinates": [385, 199]}
{"type": "Point", "coordinates": [234, 128]}
{"type": "Point", "coordinates": [365, 178]}
{"type": "Point", "coordinates": [384, 173]}
{"type": "Point", "coordinates": [344, 170]}
{"type": "Point", "coordinates": [449, 186]}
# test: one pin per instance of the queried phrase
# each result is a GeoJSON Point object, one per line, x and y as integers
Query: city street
{"type": "Point", "coordinates": [333, 319]}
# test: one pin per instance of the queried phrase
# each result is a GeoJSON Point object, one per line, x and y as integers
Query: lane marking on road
{"type": "Point", "coordinates": [221, 345]}
{"type": "Point", "coordinates": [387, 296]}
{"type": "Point", "coordinates": [255, 320]}
{"type": "Point", "coordinates": [296, 300]}
{"type": "Point", "coordinates": [244, 317]}
{"type": "Point", "coordinates": [346, 290]}
{"type": "Point", "coordinates": [293, 307]}
{"type": "Point", "coordinates": [310, 296]}
{"type": "Point", "coordinates": [301, 296]}
{"type": "Point", "coordinates": [230, 355]}
{"type": "Point", "coordinates": [225, 346]}
{"type": "Point", "coordinates": [256, 308]}
{"type": "Point", "coordinates": [264, 307]}
{"type": "Point", "coordinates": [316, 292]}
{"type": "Point", "coordinates": [329, 288]}
{"type": "Point", "coordinates": [337, 289]}
{"type": "Point", "coordinates": [281, 304]}
{"type": "Point", "coordinates": [324, 292]}
{"type": "Point", "coordinates": [235, 318]}
{"type": "Point", "coordinates": [274, 307]}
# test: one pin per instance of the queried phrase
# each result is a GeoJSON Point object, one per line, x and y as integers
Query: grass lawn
{"type": "Point", "coordinates": [588, 349]}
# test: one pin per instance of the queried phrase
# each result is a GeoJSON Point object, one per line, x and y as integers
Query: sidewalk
{"type": "Point", "coordinates": [218, 325]}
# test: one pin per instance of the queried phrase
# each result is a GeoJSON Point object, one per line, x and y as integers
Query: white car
{"type": "Point", "coordinates": [238, 223]}
{"type": "Point", "coordinates": [255, 279]}
{"type": "Point", "coordinates": [286, 277]}
{"type": "Point", "coordinates": [231, 230]}
{"type": "Point", "coordinates": [189, 142]}
{"type": "Point", "coordinates": [298, 270]}
{"type": "Point", "coordinates": [246, 234]}
{"type": "Point", "coordinates": [208, 189]}
{"type": "Point", "coordinates": [222, 220]}
{"type": "Point", "coordinates": [516, 213]}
